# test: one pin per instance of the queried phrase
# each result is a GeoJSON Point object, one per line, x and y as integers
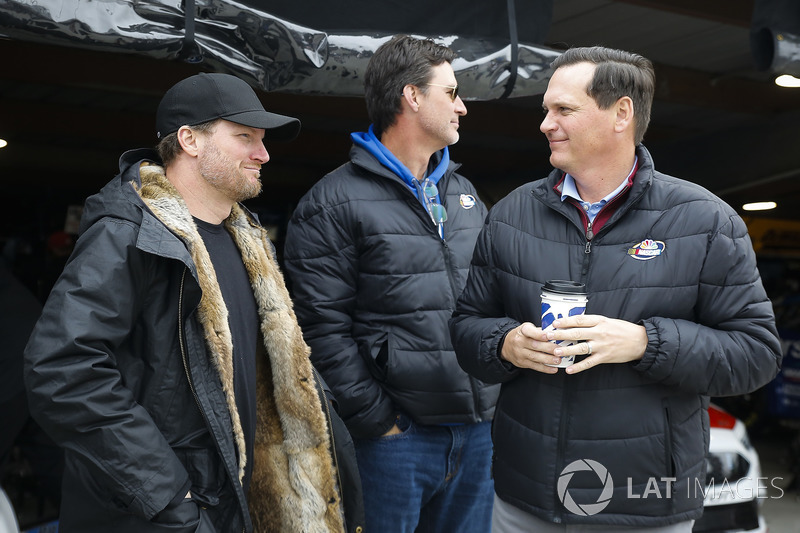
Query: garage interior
{"type": "Point", "coordinates": [68, 112]}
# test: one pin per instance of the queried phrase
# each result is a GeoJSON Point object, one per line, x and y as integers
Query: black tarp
{"type": "Point", "coordinates": [307, 47]}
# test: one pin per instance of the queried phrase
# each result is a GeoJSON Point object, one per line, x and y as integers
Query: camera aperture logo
{"type": "Point", "coordinates": [585, 509]}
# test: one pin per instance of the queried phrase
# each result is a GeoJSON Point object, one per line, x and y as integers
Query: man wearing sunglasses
{"type": "Point", "coordinates": [377, 253]}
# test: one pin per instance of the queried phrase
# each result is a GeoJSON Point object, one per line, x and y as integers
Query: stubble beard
{"type": "Point", "coordinates": [224, 175]}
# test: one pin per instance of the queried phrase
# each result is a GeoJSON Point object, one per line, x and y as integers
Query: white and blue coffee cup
{"type": "Point", "coordinates": [561, 299]}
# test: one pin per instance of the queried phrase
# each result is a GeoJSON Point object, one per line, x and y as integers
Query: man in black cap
{"type": "Point", "coordinates": [168, 361]}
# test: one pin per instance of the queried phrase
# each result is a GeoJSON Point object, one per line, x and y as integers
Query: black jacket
{"type": "Point", "coordinates": [710, 328]}
{"type": "Point", "coordinates": [374, 286]}
{"type": "Point", "coordinates": [130, 370]}
{"type": "Point", "coordinates": [344, 459]}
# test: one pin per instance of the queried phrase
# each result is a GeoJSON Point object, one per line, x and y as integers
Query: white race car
{"type": "Point", "coordinates": [8, 519]}
{"type": "Point", "coordinates": [735, 486]}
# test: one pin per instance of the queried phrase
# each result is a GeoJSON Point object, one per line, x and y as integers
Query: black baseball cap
{"type": "Point", "coordinates": [209, 96]}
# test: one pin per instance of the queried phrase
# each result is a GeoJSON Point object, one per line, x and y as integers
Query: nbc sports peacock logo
{"type": "Point", "coordinates": [585, 509]}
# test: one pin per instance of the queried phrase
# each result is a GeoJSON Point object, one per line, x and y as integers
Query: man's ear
{"type": "Point", "coordinates": [624, 115]}
{"type": "Point", "coordinates": [410, 93]}
{"type": "Point", "coordinates": [188, 140]}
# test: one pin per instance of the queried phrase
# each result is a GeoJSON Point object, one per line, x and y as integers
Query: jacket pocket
{"type": "Point", "coordinates": [206, 526]}
{"type": "Point", "coordinates": [669, 462]}
{"type": "Point", "coordinates": [205, 473]}
{"type": "Point", "coordinates": [186, 517]}
{"type": "Point", "coordinates": [377, 356]}
{"type": "Point", "coordinates": [183, 517]}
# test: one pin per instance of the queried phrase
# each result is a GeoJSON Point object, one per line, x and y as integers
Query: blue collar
{"type": "Point", "coordinates": [373, 145]}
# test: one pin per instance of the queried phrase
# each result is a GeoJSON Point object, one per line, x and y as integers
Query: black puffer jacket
{"type": "Point", "coordinates": [374, 287]}
{"type": "Point", "coordinates": [710, 327]}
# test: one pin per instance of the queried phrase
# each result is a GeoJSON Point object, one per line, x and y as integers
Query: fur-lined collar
{"type": "Point", "coordinates": [293, 485]}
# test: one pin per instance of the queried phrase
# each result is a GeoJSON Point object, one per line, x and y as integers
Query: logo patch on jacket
{"type": "Point", "coordinates": [467, 201]}
{"type": "Point", "coordinates": [646, 250]}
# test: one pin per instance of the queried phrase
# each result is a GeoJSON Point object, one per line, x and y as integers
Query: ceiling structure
{"type": "Point", "coordinates": [68, 113]}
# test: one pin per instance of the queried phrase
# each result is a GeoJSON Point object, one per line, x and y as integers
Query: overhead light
{"type": "Point", "coordinates": [786, 80]}
{"type": "Point", "coordinates": [3, 143]}
{"type": "Point", "coordinates": [759, 206]}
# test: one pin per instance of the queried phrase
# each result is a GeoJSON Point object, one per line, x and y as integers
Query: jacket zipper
{"type": "Point", "coordinates": [587, 250]}
{"type": "Point", "coordinates": [562, 435]}
{"type": "Point", "coordinates": [589, 237]}
{"type": "Point", "coordinates": [325, 406]}
{"type": "Point", "coordinates": [454, 291]}
{"type": "Point", "coordinates": [185, 359]}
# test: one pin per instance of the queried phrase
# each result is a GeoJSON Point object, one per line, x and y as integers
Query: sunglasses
{"type": "Point", "coordinates": [436, 209]}
{"type": "Point", "coordinates": [453, 90]}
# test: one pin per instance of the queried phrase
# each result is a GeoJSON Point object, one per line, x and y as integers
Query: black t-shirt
{"type": "Point", "coordinates": [243, 322]}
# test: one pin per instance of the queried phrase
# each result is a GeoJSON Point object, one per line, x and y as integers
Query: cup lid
{"type": "Point", "coordinates": [562, 286]}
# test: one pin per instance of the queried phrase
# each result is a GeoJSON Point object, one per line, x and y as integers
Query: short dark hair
{"type": "Point", "coordinates": [169, 147]}
{"type": "Point", "coordinates": [618, 74]}
{"type": "Point", "coordinates": [401, 61]}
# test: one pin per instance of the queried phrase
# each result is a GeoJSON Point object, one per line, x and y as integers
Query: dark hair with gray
{"type": "Point", "coordinates": [169, 147]}
{"type": "Point", "coordinates": [618, 74]}
{"type": "Point", "coordinates": [401, 61]}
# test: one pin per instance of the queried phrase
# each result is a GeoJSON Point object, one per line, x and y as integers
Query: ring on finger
{"type": "Point", "coordinates": [588, 348]}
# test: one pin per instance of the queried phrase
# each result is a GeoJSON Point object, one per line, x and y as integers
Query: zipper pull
{"type": "Point", "coordinates": [589, 237]}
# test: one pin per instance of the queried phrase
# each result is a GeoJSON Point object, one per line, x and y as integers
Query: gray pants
{"type": "Point", "coordinates": [509, 519]}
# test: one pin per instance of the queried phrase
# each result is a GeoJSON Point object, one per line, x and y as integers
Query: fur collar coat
{"type": "Point", "coordinates": [293, 487]}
